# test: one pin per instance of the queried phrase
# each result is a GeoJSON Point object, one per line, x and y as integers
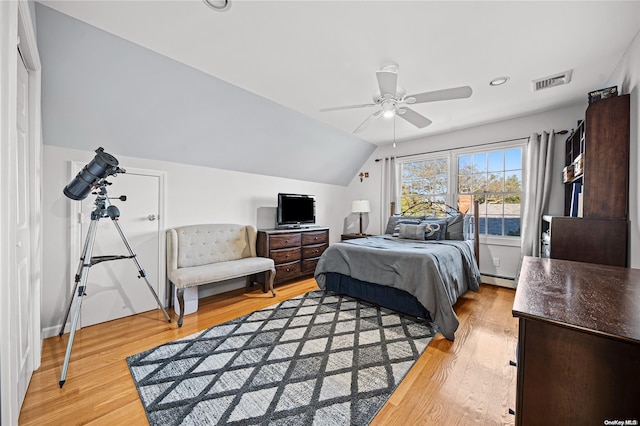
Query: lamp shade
{"type": "Point", "coordinates": [360, 206]}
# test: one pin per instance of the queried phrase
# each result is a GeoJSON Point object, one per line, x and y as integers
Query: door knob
{"type": "Point", "coordinates": [151, 217]}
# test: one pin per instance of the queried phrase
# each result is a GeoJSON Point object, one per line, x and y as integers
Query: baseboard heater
{"type": "Point", "coordinates": [498, 280]}
{"type": "Point", "coordinates": [497, 276]}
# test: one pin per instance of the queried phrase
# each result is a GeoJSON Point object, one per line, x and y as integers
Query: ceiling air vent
{"type": "Point", "coordinates": [552, 81]}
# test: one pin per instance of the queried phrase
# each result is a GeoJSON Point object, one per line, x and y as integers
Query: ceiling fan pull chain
{"type": "Point", "coordinates": [394, 131]}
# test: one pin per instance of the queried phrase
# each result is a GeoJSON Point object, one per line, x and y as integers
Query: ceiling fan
{"type": "Point", "coordinates": [392, 100]}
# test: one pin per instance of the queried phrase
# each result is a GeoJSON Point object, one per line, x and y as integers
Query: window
{"type": "Point", "coordinates": [424, 186]}
{"type": "Point", "coordinates": [495, 179]}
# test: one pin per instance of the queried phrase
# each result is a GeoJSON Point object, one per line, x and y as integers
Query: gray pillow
{"type": "Point", "coordinates": [412, 232]}
{"type": "Point", "coordinates": [393, 222]}
{"type": "Point", "coordinates": [435, 229]}
{"type": "Point", "coordinates": [396, 230]}
{"type": "Point", "coordinates": [455, 227]}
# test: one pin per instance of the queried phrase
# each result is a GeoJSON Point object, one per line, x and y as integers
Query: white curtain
{"type": "Point", "coordinates": [388, 191]}
{"type": "Point", "coordinates": [537, 189]}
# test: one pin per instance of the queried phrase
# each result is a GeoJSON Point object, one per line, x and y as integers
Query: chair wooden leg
{"type": "Point", "coordinates": [272, 277]}
{"type": "Point", "coordinates": [180, 293]}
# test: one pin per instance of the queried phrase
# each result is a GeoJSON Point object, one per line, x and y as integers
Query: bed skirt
{"type": "Point", "coordinates": [389, 297]}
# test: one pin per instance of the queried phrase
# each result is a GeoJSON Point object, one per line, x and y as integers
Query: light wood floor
{"type": "Point", "coordinates": [468, 381]}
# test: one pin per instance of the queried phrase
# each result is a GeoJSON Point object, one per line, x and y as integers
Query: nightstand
{"type": "Point", "coordinates": [344, 237]}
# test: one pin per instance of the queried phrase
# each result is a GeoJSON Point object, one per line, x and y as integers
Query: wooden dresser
{"type": "Point", "coordinates": [578, 343]}
{"type": "Point", "coordinates": [294, 251]}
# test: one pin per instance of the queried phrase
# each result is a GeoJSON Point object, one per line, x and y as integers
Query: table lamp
{"type": "Point", "coordinates": [360, 206]}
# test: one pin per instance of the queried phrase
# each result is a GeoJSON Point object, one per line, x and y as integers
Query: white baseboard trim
{"type": "Point", "coordinates": [502, 282]}
{"type": "Point", "coordinates": [53, 331]}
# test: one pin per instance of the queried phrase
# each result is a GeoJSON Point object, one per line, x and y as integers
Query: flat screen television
{"type": "Point", "coordinates": [295, 210]}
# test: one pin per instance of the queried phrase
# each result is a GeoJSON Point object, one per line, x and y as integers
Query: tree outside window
{"type": "Point", "coordinates": [424, 187]}
{"type": "Point", "coordinates": [495, 179]}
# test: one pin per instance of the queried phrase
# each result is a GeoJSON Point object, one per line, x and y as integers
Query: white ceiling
{"type": "Point", "coordinates": [308, 55]}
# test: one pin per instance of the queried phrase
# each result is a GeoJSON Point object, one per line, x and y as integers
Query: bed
{"type": "Point", "coordinates": [405, 273]}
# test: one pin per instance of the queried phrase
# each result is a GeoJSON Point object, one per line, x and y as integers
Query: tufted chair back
{"type": "Point", "coordinates": [197, 245]}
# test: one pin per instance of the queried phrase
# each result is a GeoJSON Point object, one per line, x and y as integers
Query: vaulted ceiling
{"type": "Point", "coordinates": [309, 55]}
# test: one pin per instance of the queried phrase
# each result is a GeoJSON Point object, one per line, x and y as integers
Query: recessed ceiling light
{"type": "Point", "coordinates": [498, 81]}
{"type": "Point", "coordinates": [219, 5]}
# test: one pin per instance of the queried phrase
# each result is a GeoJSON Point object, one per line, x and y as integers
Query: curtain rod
{"type": "Point", "coordinates": [560, 132]}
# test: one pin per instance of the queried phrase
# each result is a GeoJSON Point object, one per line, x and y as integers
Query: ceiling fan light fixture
{"type": "Point", "coordinates": [499, 81]}
{"type": "Point", "coordinates": [388, 109]}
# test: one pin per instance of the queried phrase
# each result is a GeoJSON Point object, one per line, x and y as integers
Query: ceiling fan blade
{"type": "Point", "coordinates": [413, 117]}
{"type": "Point", "coordinates": [366, 121]}
{"type": "Point", "coordinates": [347, 107]}
{"type": "Point", "coordinates": [441, 95]}
{"type": "Point", "coordinates": [388, 82]}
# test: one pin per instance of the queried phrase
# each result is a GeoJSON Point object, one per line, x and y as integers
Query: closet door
{"type": "Point", "coordinates": [23, 290]}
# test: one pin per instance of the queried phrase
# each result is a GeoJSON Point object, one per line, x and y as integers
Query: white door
{"type": "Point", "coordinates": [113, 288]}
{"type": "Point", "coordinates": [24, 308]}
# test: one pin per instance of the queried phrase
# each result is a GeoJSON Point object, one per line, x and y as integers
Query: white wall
{"type": "Point", "coordinates": [627, 78]}
{"type": "Point", "coordinates": [194, 195]}
{"type": "Point", "coordinates": [564, 118]}
{"type": "Point", "coordinates": [101, 90]}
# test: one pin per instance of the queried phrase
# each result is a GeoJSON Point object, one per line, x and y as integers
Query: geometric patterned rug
{"type": "Point", "coordinates": [317, 359]}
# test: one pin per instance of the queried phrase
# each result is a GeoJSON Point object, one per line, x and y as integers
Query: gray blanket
{"type": "Point", "coordinates": [434, 272]}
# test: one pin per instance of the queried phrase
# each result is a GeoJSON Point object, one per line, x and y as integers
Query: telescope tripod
{"type": "Point", "coordinates": [103, 209]}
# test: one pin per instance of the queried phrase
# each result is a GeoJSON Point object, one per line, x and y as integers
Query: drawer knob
{"type": "Point", "coordinates": [315, 238]}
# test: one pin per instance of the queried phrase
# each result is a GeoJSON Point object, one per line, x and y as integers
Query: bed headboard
{"type": "Point", "coordinates": [462, 209]}
{"type": "Point", "coordinates": [476, 226]}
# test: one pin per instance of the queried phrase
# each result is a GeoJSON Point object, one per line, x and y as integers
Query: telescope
{"type": "Point", "coordinates": [92, 175]}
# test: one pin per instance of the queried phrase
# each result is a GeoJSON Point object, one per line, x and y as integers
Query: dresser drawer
{"type": "Point", "coordinates": [287, 271]}
{"type": "Point", "coordinates": [284, 240]}
{"type": "Point", "coordinates": [309, 265]}
{"type": "Point", "coordinates": [285, 255]}
{"type": "Point", "coordinates": [295, 252]}
{"type": "Point", "coordinates": [315, 250]}
{"type": "Point", "coordinates": [314, 237]}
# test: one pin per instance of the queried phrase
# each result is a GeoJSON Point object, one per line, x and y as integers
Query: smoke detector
{"type": "Point", "coordinates": [552, 81]}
